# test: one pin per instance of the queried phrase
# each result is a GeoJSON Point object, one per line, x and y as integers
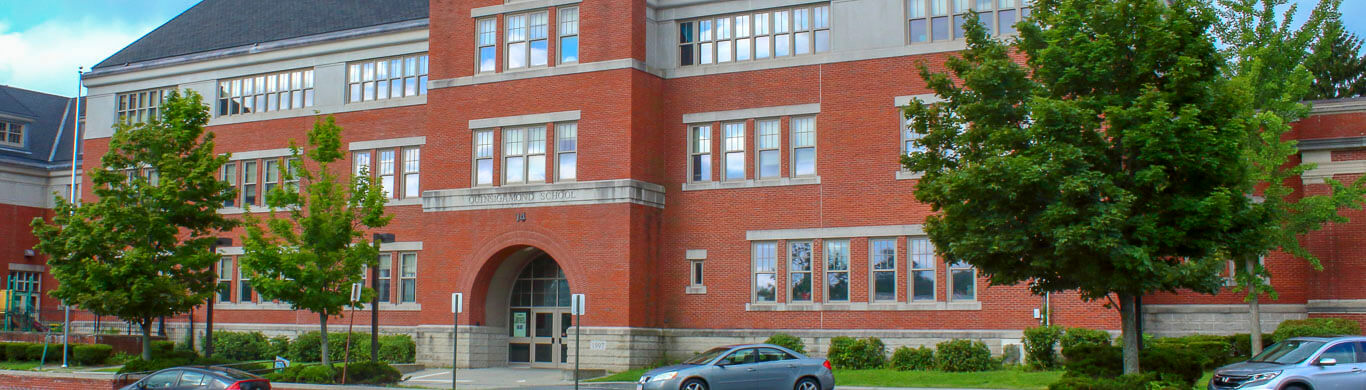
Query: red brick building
{"type": "Point", "coordinates": [706, 172]}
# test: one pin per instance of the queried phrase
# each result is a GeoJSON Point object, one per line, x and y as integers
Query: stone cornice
{"type": "Point", "coordinates": [544, 195]}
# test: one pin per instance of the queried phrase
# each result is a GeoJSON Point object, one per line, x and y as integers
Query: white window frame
{"type": "Point", "coordinates": [792, 270]}
{"type": "Point", "coordinates": [10, 130]}
{"type": "Point", "coordinates": [566, 146]}
{"type": "Point", "coordinates": [386, 276]}
{"type": "Point", "coordinates": [228, 173]}
{"type": "Point", "coordinates": [405, 278]}
{"type": "Point", "coordinates": [764, 261]}
{"type": "Point", "coordinates": [568, 21]}
{"type": "Point", "coordinates": [225, 264]}
{"type": "Point", "coordinates": [836, 254]}
{"type": "Point", "coordinates": [290, 175]}
{"type": "Point", "coordinates": [696, 273]}
{"type": "Point", "coordinates": [526, 144]}
{"type": "Point", "coordinates": [278, 91]}
{"type": "Point", "coordinates": [387, 159]}
{"type": "Point", "coordinates": [387, 78]}
{"type": "Point", "coordinates": [250, 177]}
{"type": "Point", "coordinates": [412, 175]}
{"type": "Point", "coordinates": [953, 14]}
{"type": "Point", "coordinates": [768, 137]}
{"type": "Point", "coordinates": [873, 269]}
{"type": "Point", "coordinates": [921, 248]}
{"type": "Point", "coordinates": [486, 37]}
{"type": "Point", "coordinates": [244, 285]}
{"type": "Point", "coordinates": [798, 143]}
{"type": "Point", "coordinates": [959, 267]}
{"type": "Point", "coordinates": [755, 35]}
{"type": "Point", "coordinates": [521, 29]}
{"type": "Point", "coordinates": [270, 175]}
{"type": "Point", "coordinates": [138, 106]}
{"type": "Point", "coordinates": [699, 151]}
{"type": "Point", "coordinates": [733, 146]}
{"type": "Point", "coordinates": [483, 150]}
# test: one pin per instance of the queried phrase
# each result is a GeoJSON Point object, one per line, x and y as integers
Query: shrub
{"type": "Point", "coordinates": [906, 358]}
{"type": "Point", "coordinates": [240, 345]}
{"type": "Point", "coordinates": [306, 348]}
{"type": "Point", "coordinates": [1147, 381]}
{"type": "Point", "coordinates": [1039, 345]}
{"type": "Point", "coordinates": [35, 352]}
{"type": "Point", "coordinates": [165, 349]}
{"type": "Point", "coordinates": [276, 346]}
{"type": "Point", "coordinates": [371, 373]}
{"type": "Point", "coordinates": [140, 365]}
{"type": "Point", "coordinates": [91, 354]}
{"type": "Point", "coordinates": [1322, 327]}
{"type": "Point", "coordinates": [1169, 363]}
{"type": "Point", "coordinates": [318, 374]}
{"type": "Point", "coordinates": [1010, 354]}
{"type": "Point", "coordinates": [787, 341]}
{"type": "Point", "coordinates": [1076, 336]}
{"type": "Point", "coordinates": [962, 356]}
{"type": "Point", "coordinates": [1240, 345]}
{"type": "Point", "coordinates": [16, 352]}
{"type": "Point", "coordinates": [1211, 352]}
{"type": "Point", "coordinates": [400, 348]}
{"type": "Point", "coordinates": [857, 354]}
{"type": "Point", "coordinates": [288, 374]}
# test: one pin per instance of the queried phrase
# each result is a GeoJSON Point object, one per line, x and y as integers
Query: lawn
{"type": "Point", "coordinates": [625, 376]}
{"type": "Point", "coordinates": [25, 366]}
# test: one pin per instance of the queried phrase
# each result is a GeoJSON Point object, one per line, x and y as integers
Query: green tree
{"type": "Point", "coordinates": [310, 256]}
{"type": "Point", "coordinates": [1108, 163]}
{"type": "Point", "coordinates": [141, 250]}
{"type": "Point", "coordinates": [1337, 63]}
{"type": "Point", "coordinates": [1267, 57]}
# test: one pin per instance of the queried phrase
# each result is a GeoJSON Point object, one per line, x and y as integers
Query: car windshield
{"type": "Point", "coordinates": [709, 355]}
{"type": "Point", "coordinates": [1287, 352]}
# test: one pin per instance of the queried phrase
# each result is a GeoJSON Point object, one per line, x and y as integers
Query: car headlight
{"type": "Point", "coordinates": [1263, 376]}
{"type": "Point", "coordinates": [664, 377]}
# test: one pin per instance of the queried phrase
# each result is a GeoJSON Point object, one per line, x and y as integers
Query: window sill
{"type": "Point", "coordinates": [866, 306]}
{"type": "Point", "coordinates": [251, 306]}
{"type": "Point", "coordinates": [778, 182]}
{"type": "Point", "coordinates": [385, 306]}
{"type": "Point", "coordinates": [695, 290]}
{"type": "Point", "coordinates": [908, 175]}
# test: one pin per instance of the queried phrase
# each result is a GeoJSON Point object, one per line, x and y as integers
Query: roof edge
{"type": "Point", "coordinates": [412, 24]}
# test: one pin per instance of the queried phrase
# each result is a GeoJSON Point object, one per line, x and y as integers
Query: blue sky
{"type": "Point", "coordinates": [43, 41]}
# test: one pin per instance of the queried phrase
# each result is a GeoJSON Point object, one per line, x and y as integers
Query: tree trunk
{"type": "Point", "coordinates": [322, 319]}
{"type": "Point", "coordinates": [1254, 311]}
{"type": "Point", "coordinates": [1129, 332]}
{"type": "Point", "coordinates": [146, 324]}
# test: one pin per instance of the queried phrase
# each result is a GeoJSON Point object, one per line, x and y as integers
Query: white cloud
{"type": "Point", "coordinates": [45, 56]}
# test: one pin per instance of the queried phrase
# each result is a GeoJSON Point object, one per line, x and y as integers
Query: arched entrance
{"type": "Point", "coordinates": [538, 315]}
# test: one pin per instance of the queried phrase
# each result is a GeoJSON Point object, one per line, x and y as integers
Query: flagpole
{"type": "Point", "coordinates": [75, 144]}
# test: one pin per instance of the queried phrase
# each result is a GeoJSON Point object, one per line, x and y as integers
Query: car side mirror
{"type": "Point", "coordinates": [1328, 361]}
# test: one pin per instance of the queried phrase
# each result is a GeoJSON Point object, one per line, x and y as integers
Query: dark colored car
{"type": "Point", "coordinates": [743, 367]}
{"type": "Point", "coordinates": [201, 377]}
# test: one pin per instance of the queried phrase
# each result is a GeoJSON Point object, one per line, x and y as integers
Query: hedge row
{"type": "Point", "coordinates": [245, 346]}
{"type": "Point", "coordinates": [370, 373]}
{"type": "Point", "coordinates": [949, 356]}
{"type": "Point", "coordinates": [81, 354]}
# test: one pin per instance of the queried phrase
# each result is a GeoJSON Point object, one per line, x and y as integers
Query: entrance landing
{"type": "Point", "coordinates": [503, 378]}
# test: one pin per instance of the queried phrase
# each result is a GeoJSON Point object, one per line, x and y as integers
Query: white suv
{"type": "Point", "coordinates": [1300, 363]}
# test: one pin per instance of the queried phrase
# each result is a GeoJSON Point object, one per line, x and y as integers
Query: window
{"type": "Point", "coordinates": [883, 261]}
{"type": "Point", "coordinates": [567, 149]}
{"type": "Point", "coordinates": [922, 269]}
{"type": "Point", "coordinates": [387, 78]}
{"type": "Point", "coordinates": [485, 41]}
{"type": "Point", "coordinates": [697, 273]}
{"type": "Point", "coordinates": [249, 183]}
{"type": "Point", "coordinates": [411, 160]}
{"type": "Point", "coordinates": [735, 150]}
{"type": "Point", "coordinates": [360, 163]}
{"type": "Point", "coordinates": [225, 279]}
{"type": "Point", "coordinates": [837, 270]}
{"type": "Point", "coordinates": [803, 146]}
{"type": "Point", "coordinates": [1236, 266]}
{"type": "Point", "coordinates": [700, 149]}
{"type": "Point", "coordinates": [799, 271]}
{"type": "Point", "coordinates": [569, 35]}
{"type": "Point", "coordinates": [963, 280]}
{"type": "Point", "coordinates": [929, 20]}
{"type": "Point", "coordinates": [765, 272]}
{"type": "Point", "coordinates": [407, 281]}
{"type": "Point", "coordinates": [524, 155]}
{"type": "Point", "coordinates": [386, 266]}
{"type": "Point", "coordinates": [909, 137]}
{"type": "Point", "coordinates": [1344, 353]}
{"type": "Point", "coordinates": [782, 32]}
{"type": "Point", "coordinates": [230, 177]}
{"type": "Point", "coordinates": [526, 40]}
{"type": "Point", "coordinates": [28, 281]}
{"type": "Point", "coordinates": [263, 93]}
{"type": "Point", "coordinates": [768, 148]}
{"type": "Point", "coordinates": [243, 285]}
{"type": "Point", "coordinates": [292, 174]}
{"type": "Point", "coordinates": [136, 107]}
{"type": "Point", "coordinates": [385, 169]}
{"type": "Point", "coordinates": [271, 172]}
{"type": "Point", "coordinates": [483, 157]}
{"type": "Point", "coordinates": [11, 134]}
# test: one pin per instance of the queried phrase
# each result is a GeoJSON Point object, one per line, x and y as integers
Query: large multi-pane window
{"type": "Point", "coordinates": [837, 270]}
{"type": "Point", "coordinates": [567, 150]}
{"type": "Point", "coordinates": [735, 150]}
{"type": "Point", "coordinates": [411, 176]}
{"type": "Point", "coordinates": [249, 183]}
{"type": "Point", "coordinates": [225, 279]}
{"type": "Point", "coordinates": [569, 35]}
{"type": "Point", "coordinates": [941, 20]}
{"type": "Point", "coordinates": [883, 263]}
{"type": "Point", "coordinates": [922, 269]}
{"type": "Point", "coordinates": [526, 38]}
{"type": "Point", "coordinates": [271, 173]}
{"type": "Point", "coordinates": [767, 34]}
{"type": "Point", "coordinates": [524, 155]}
{"type": "Point", "coordinates": [11, 134]}
{"type": "Point", "coordinates": [486, 41]}
{"type": "Point", "coordinates": [360, 163]}
{"type": "Point", "coordinates": [385, 170]}
{"type": "Point", "coordinates": [407, 277]}
{"type": "Point", "coordinates": [799, 271]}
{"type": "Point", "coordinates": [483, 157]}
{"type": "Point", "coordinates": [140, 106]}
{"type": "Point", "coordinates": [962, 281]}
{"type": "Point", "coordinates": [263, 93]}
{"type": "Point", "coordinates": [230, 176]}
{"type": "Point", "coordinates": [386, 78]}
{"type": "Point", "coordinates": [243, 285]}
{"type": "Point", "coordinates": [386, 266]}
{"type": "Point", "coordinates": [699, 149]}
{"type": "Point", "coordinates": [765, 272]}
{"type": "Point", "coordinates": [769, 154]}
{"type": "Point", "coordinates": [803, 146]}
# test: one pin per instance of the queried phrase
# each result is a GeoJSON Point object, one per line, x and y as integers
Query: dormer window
{"type": "Point", "coordinates": [11, 134]}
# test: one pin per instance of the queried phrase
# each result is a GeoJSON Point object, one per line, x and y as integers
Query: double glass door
{"type": "Point", "coordinates": [538, 336]}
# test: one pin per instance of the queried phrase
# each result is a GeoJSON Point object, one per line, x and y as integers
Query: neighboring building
{"type": "Point", "coordinates": [36, 130]}
{"type": "Point", "coordinates": [706, 171]}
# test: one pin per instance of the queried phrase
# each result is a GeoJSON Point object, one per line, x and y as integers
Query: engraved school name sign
{"type": "Point", "coordinates": [542, 195]}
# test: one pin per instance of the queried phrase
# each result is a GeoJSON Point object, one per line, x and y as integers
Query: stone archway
{"type": "Point", "coordinates": [523, 305]}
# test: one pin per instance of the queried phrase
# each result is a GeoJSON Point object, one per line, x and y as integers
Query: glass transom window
{"type": "Point", "coordinates": [754, 35]}
{"type": "Point", "coordinates": [387, 78]}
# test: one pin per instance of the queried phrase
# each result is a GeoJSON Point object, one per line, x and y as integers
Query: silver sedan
{"type": "Point", "coordinates": [749, 366]}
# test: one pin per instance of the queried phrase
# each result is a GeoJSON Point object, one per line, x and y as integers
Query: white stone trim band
{"type": "Point", "coordinates": [258, 154]}
{"type": "Point", "coordinates": [518, 6]}
{"type": "Point", "coordinates": [696, 254]}
{"type": "Point", "coordinates": [1326, 168]}
{"type": "Point", "coordinates": [542, 195]}
{"type": "Point", "coordinates": [1338, 306]}
{"type": "Point", "coordinates": [230, 250]}
{"type": "Point", "coordinates": [400, 246]}
{"type": "Point", "coordinates": [566, 69]}
{"type": "Point", "coordinates": [26, 267]}
{"type": "Point", "coordinates": [928, 98]}
{"type": "Point", "coordinates": [752, 183]}
{"type": "Point", "coordinates": [836, 232]}
{"type": "Point", "coordinates": [750, 113]}
{"type": "Point", "coordinates": [528, 119]}
{"type": "Point", "coordinates": [388, 143]}
{"type": "Point", "coordinates": [865, 306]}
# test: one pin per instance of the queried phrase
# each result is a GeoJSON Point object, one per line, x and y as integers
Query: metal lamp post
{"type": "Point", "coordinates": [208, 316]}
{"type": "Point", "coordinates": [379, 238]}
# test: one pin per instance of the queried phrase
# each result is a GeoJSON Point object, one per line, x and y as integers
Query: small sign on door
{"type": "Point", "coordinates": [519, 324]}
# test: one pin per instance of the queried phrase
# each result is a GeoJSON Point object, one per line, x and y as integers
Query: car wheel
{"type": "Point", "coordinates": [693, 384]}
{"type": "Point", "coordinates": [1295, 387]}
{"type": "Point", "coordinates": [807, 384]}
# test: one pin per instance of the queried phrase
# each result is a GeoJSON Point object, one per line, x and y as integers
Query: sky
{"type": "Point", "coordinates": [42, 42]}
